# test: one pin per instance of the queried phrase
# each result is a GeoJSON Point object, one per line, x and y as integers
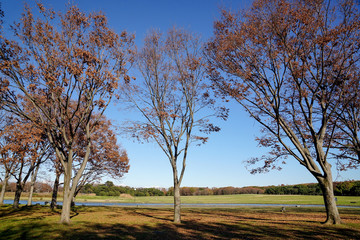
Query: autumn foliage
{"type": "Point", "coordinates": [67, 66]}
{"type": "Point", "coordinates": [173, 99]}
{"type": "Point", "coordinates": [23, 149]}
{"type": "Point", "coordinates": [291, 65]}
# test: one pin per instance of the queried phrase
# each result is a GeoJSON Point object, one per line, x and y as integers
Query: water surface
{"type": "Point", "coordinates": [183, 204]}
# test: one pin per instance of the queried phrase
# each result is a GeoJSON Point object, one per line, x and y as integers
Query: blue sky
{"type": "Point", "coordinates": [220, 161]}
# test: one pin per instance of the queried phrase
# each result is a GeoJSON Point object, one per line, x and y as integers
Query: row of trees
{"type": "Point", "coordinates": [39, 187]}
{"type": "Point", "coordinates": [293, 65]}
{"type": "Point", "coordinates": [199, 191]}
{"type": "Point", "coordinates": [340, 189]}
{"type": "Point", "coordinates": [24, 151]}
{"type": "Point", "coordinates": [348, 188]}
{"type": "Point", "coordinates": [109, 189]}
{"type": "Point", "coordinates": [59, 72]}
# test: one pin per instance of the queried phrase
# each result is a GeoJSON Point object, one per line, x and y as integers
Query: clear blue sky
{"type": "Point", "coordinates": [220, 161]}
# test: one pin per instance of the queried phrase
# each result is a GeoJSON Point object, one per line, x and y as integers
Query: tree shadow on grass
{"type": "Point", "coordinates": [8, 210]}
{"type": "Point", "coordinates": [157, 224]}
{"type": "Point", "coordinates": [91, 232]}
{"type": "Point", "coordinates": [186, 230]}
{"type": "Point", "coordinates": [263, 216]}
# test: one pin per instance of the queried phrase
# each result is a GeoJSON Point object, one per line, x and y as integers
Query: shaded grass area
{"type": "Point", "coordinates": [238, 198]}
{"type": "Point", "coordinates": [38, 222]}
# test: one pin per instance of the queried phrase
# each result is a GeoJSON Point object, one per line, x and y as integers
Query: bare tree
{"type": "Point", "coordinates": [173, 99]}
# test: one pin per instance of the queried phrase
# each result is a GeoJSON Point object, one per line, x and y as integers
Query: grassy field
{"type": "Point", "coordinates": [241, 198]}
{"type": "Point", "coordinates": [38, 222]}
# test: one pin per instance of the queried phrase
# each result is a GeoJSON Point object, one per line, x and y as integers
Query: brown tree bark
{"type": "Point", "coordinates": [66, 207]}
{"type": "Point", "coordinates": [332, 213]}
{"type": "Point", "coordinates": [18, 192]}
{"type": "Point", "coordinates": [70, 183]}
{"type": "Point", "coordinates": [177, 200]}
{"type": "Point", "coordinates": [53, 203]}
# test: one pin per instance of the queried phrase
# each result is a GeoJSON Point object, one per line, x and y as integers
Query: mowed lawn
{"type": "Point", "coordinates": [239, 198]}
{"type": "Point", "coordinates": [38, 222]}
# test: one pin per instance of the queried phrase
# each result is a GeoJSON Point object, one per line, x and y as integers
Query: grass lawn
{"type": "Point", "coordinates": [38, 222]}
{"type": "Point", "coordinates": [240, 198]}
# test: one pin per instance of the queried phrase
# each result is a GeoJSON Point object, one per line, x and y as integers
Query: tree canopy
{"type": "Point", "coordinates": [290, 64]}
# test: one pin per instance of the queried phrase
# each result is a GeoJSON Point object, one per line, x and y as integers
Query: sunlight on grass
{"type": "Point", "coordinates": [38, 222]}
{"type": "Point", "coordinates": [238, 198]}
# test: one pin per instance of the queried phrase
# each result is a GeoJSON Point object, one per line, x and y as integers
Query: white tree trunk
{"type": "Point", "coordinates": [3, 189]}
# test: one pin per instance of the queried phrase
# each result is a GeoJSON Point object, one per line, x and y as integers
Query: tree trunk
{"type": "Point", "coordinates": [177, 203]}
{"type": "Point", "coordinates": [32, 184]}
{"type": "Point", "coordinates": [332, 213]}
{"type": "Point", "coordinates": [72, 202]}
{"type": "Point", "coordinates": [69, 183]}
{"type": "Point", "coordinates": [66, 207]}
{"type": "Point", "coordinates": [55, 192]}
{"type": "Point", "coordinates": [68, 195]}
{"type": "Point", "coordinates": [18, 192]}
{"type": "Point", "coordinates": [3, 189]}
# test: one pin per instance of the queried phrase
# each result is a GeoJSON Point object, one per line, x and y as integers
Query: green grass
{"type": "Point", "coordinates": [240, 198]}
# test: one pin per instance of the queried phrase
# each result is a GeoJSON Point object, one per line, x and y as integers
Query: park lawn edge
{"type": "Point", "coordinates": [213, 199]}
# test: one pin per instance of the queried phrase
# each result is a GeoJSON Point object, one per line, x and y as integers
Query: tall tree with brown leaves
{"type": "Point", "coordinates": [23, 148]}
{"type": "Point", "coordinates": [173, 98]}
{"type": "Point", "coordinates": [8, 163]}
{"type": "Point", "coordinates": [3, 82]}
{"type": "Point", "coordinates": [68, 67]}
{"type": "Point", "coordinates": [288, 63]}
{"type": "Point", "coordinates": [107, 158]}
{"type": "Point", "coordinates": [30, 149]}
{"type": "Point", "coordinates": [347, 138]}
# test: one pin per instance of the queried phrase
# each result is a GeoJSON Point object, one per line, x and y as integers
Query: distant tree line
{"type": "Point", "coordinates": [196, 191]}
{"type": "Point", "coordinates": [109, 189]}
{"type": "Point", "coordinates": [301, 189]}
{"type": "Point", "coordinates": [347, 188]}
{"type": "Point", "coordinates": [39, 187]}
